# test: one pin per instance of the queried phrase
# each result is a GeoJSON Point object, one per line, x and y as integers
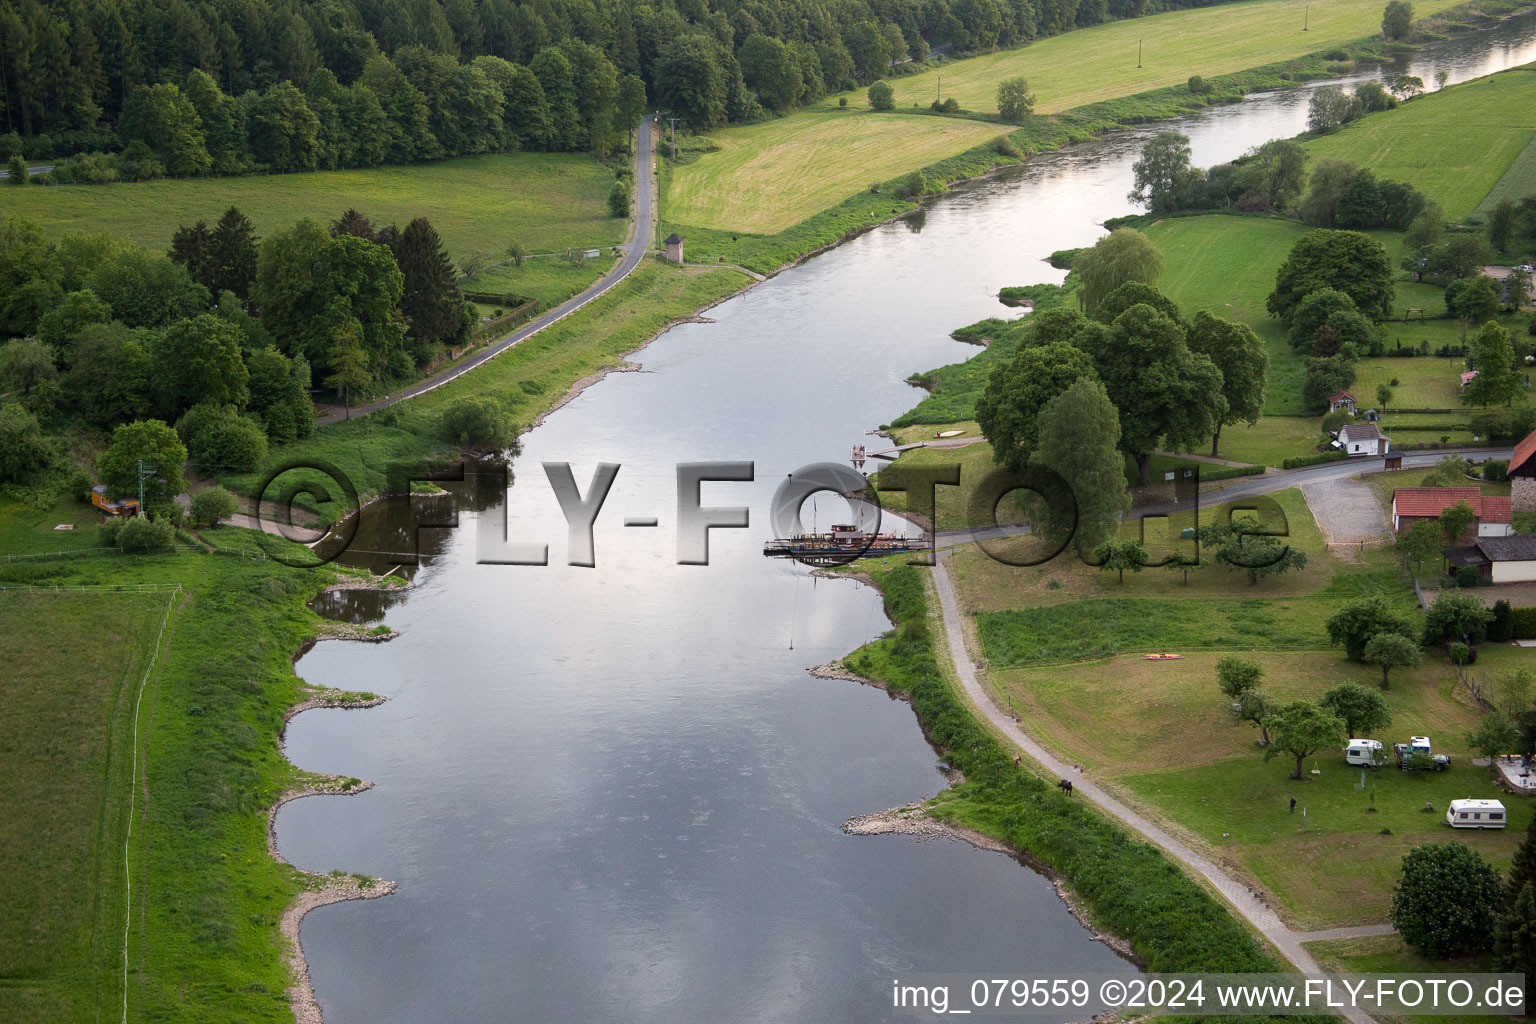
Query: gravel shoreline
{"type": "Point", "coordinates": [322, 890]}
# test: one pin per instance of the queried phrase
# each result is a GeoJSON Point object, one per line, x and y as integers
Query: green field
{"type": "Point", "coordinates": [1160, 731]}
{"type": "Point", "coordinates": [546, 201]}
{"type": "Point", "coordinates": [766, 177]}
{"type": "Point", "coordinates": [545, 279]}
{"type": "Point", "coordinates": [1099, 63]}
{"type": "Point", "coordinates": [1519, 181]}
{"type": "Point", "coordinates": [75, 663]}
{"type": "Point", "coordinates": [1227, 264]}
{"type": "Point", "coordinates": [1453, 145]}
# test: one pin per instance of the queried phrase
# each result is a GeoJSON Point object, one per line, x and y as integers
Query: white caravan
{"type": "Point", "coordinates": [1476, 814]}
{"type": "Point", "coordinates": [1365, 752]}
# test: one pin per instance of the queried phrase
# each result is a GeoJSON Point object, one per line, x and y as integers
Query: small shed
{"type": "Point", "coordinates": [1342, 400]}
{"type": "Point", "coordinates": [674, 244]}
{"type": "Point", "coordinates": [122, 507]}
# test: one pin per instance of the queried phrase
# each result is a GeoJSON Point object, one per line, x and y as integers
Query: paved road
{"type": "Point", "coordinates": [634, 251]}
{"type": "Point", "coordinates": [34, 170]}
{"type": "Point", "coordinates": [1257, 913]}
{"type": "Point", "coordinates": [1248, 487]}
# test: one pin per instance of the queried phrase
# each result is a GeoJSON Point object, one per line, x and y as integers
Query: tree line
{"type": "Point", "coordinates": [194, 87]}
{"type": "Point", "coordinates": [225, 336]}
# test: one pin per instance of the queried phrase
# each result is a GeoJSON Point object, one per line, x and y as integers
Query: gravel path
{"type": "Point", "coordinates": [1238, 895]}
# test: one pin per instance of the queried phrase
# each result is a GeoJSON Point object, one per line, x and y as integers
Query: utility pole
{"type": "Point", "coordinates": [938, 90]}
{"type": "Point", "coordinates": [1306, 16]}
{"type": "Point", "coordinates": [146, 470]}
{"type": "Point", "coordinates": [1138, 53]}
{"type": "Point", "coordinates": [673, 120]}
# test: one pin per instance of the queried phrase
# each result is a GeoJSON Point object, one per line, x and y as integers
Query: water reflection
{"type": "Point", "coordinates": [614, 793]}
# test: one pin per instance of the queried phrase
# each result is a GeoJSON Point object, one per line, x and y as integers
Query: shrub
{"type": "Point", "coordinates": [17, 169]}
{"type": "Point", "coordinates": [882, 96]}
{"type": "Point", "coordinates": [1197, 85]}
{"type": "Point", "coordinates": [1524, 622]}
{"type": "Point", "coordinates": [1496, 470]}
{"type": "Point", "coordinates": [842, 101]}
{"type": "Point", "coordinates": [212, 505]}
{"type": "Point", "coordinates": [1467, 576]}
{"type": "Point", "coordinates": [913, 186]}
{"type": "Point", "coordinates": [478, 423]}
{"type": "Point", "coordinates": [618, 200]}
{"type": "Point", "coordinates": [1296, 462]}
{"type": "Point", "coordinates": [1502, 628]}
{"type": "Point", "coordinates": [141, 536]}
{"type": "Point", "coordinates": [1005, 146]}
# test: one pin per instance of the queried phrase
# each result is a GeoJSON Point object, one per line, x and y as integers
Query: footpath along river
{"type": "Point", "coordinates": [613, 793]}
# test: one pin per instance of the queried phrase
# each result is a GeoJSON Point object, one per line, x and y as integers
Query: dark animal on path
{"type": "Point", "coordinates": [1065, 785]}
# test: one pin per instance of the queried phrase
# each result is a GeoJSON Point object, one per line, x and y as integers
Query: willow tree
{"type": "Point", "coordinates": [1123, 255]}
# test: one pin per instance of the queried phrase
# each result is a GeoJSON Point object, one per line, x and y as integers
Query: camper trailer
{"type": "Point", "coordinates": [1365, 752]}
{"type": "Point", "coordinates": [1476, 814]}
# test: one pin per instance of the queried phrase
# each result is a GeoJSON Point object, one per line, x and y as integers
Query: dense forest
{"type": "Point", "coordinates": [140, 88]}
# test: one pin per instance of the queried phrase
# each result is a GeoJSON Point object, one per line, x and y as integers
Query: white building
{"type": "Point", "coordinates": [1362, 439]}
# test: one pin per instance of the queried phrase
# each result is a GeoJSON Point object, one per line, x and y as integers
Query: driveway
{"type": "Point", "coordinates": [1347, 511]}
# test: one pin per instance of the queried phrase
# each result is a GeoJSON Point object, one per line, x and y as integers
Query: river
{"type": "Point", "coordinates": [614, 793]}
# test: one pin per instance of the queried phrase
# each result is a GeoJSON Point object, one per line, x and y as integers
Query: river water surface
{"type": "Point", "coordinates": [613, 793]}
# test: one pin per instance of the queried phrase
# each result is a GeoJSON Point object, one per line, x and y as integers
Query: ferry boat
{"type": "Point", "coordinates": [842, 544]}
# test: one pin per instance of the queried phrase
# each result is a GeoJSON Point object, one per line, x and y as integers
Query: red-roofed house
{"type": "Point", "coordinates": [1522, 474]}
{"type": "Point", "coordinates": [1466, 378]}
{"type": "Point", "coordinates": [1342, 400]}
{"type": "Point", "coordinates": [1410, 504]}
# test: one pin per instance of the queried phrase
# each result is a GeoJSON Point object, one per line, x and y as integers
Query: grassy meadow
{"type": "Point", "coordinates": [1519, 181]}
{"type": "Point", "coordinates": [766, 177]}
{"type": "Point", "coordinates": [546, 201]}
{"type": "Point", "coordinates": [75, 665]}
{"type": "Point", "coordinates": [1454, 145]}
{"type": "Point", "coordinates": [1099, 63]}
{"type": "Point", "coordinates": [203, 945]}
{"type": "Point", "coordinates": [545, 279]}
{"type": "Point", "coordinates": [1161, 732]}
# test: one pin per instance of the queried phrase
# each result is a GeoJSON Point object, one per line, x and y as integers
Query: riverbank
{"type": "Point", "coordinates": [881, 202]}
{"type": "Point", "coordinates": [320, 890]}
{"type": "Point", "coordinates": [912, 820]}
{"type": "Point", "coordinates": [1121, 886]}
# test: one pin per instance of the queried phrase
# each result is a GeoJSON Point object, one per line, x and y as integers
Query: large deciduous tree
{"type": "Point", "coordinates": [1356, 623]}
{"type": "Point", "coordinates": [1165, 392]}
{"type": "Point", "coordinates": [1239, 354]}
{"type": "Point", "coordinates": [1493, 353]}
{"type": "Point", "coordinates": [689, 79]}
{"type": "Point", "coordinates": [1018, 390]}
{"type": "Point", "coordinates": [1163, 176]}
{"type": "Point", "coordinates": [1079, 439]}
{"type": "Point", "coordinates": [1360, 708]}
{"type": "Point", "coordinates": [1349, 261]}
{"type": "Point", "coordinates": [1449, 900]}
{"type": "Point", "coordinates": [152, 443]}
{"type": "Point", "coordinates": [1301, 729]}
{"type": "Point", "coordinates": [199, 360]}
